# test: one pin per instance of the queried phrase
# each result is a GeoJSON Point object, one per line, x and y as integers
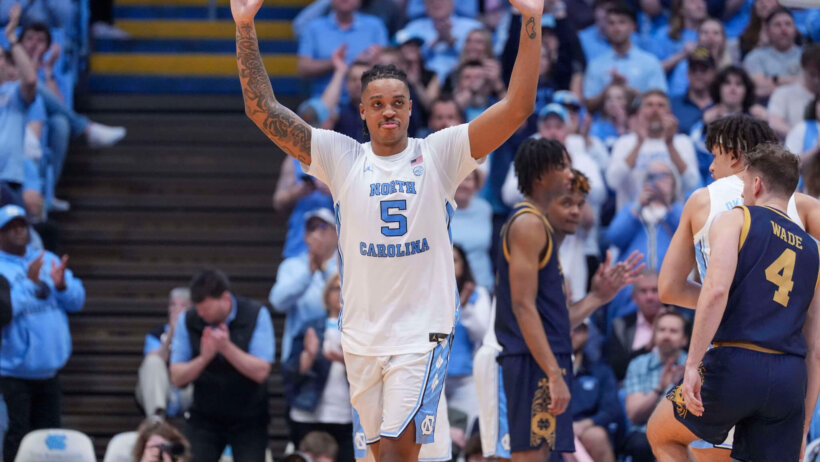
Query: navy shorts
{"type": "Point", "coordinates": [760, 394]}
{"type": "Point", "coordinates": [527, 390]}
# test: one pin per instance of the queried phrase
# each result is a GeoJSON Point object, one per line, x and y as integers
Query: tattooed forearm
{"type": "Point", "coordinates": [279, 123]}
{"type": "Point", "coordinates": [531, 28]}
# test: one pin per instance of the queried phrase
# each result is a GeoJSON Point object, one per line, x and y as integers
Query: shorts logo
{"type": "Point", "coordinates": [361, 442]}
{"type": "Point", "coordinates": [428, 424]}
{"type": "Point", "coordinates": [542, 423]}
{"type": "Point", "coordinates": [505, 441]}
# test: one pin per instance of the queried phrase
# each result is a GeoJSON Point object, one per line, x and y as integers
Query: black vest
{"type": "Point", "coordinates": [221, 392]}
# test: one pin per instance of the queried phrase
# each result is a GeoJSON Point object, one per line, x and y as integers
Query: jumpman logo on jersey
{"type": "Point", "coordinates": [367, 168]}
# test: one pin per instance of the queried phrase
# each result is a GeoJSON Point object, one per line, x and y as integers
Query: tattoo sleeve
{"type": "Point", "coordinates": [279, 123]}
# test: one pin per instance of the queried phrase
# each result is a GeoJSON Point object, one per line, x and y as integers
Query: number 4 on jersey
{"type": "Point", "coordinates": [780, 273]}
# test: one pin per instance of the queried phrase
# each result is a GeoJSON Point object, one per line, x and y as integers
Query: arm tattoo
{"type": "Point", "coordinates": [279, 123]}
{"type": "Point", "coordinates": [531, 28]}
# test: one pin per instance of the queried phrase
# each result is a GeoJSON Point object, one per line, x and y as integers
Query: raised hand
{"type": "Point", "coordinates": [14, 21]}
{"type": "Point", "coordinates": [34, 268]}
{"type": "Point", "coordinates": [244, 11]}
{"type": "Point", "coordinates": [58, 273]}
{"type": "Point", "coordinates": [338, 58]}
{"type": "Point", "coordinates": [529, 7]}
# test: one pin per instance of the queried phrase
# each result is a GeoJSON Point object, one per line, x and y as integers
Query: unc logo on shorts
{"type": "Point", "coordinates": [361, 442]}
{"type": "Point", "coordinates": [427, 425]}
{"type": "Point", "coordinates": [505, 441]}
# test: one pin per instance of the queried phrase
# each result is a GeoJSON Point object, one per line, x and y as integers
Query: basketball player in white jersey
{"type": "Point", "coordinates": [727, 138]}
{"type": "Point", "coordinates": [393, 198]}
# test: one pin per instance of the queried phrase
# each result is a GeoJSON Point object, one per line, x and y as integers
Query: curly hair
{"type": "Point", "coordinates": [535, 157]}
{"type": "Point", "coordinates": [738, 133]}
{"type": "Point", "coordinates": [580, 182]}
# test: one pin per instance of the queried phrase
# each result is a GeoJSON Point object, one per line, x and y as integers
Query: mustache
{"type": "Point", "coordinates": [389, 121]}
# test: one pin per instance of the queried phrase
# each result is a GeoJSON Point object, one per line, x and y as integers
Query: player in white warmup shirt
{"type": "Point", "coordinates": [393, 198]}
{"type": "Point", "coordinates": [728, 138]}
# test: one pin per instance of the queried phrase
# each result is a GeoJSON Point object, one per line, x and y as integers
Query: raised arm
{"type": "Point", "coordinates": [279, 123]}
{"type": "Point", "coordinates": [495, 125]}
{"type": "Point", "coordinates": [22, 61]}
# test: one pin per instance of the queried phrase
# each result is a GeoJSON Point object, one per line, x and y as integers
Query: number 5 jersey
{"type": "Point", "coordinates": [395, 249]}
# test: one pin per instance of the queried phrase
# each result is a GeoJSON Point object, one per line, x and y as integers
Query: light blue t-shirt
{"type": "Point", "coordinates": [13, 118]}
{"type": "Point", "coordinates": [642, 71]}
{"type": "Point", "coordinates": [322, 36]}
{"type": "Point", "coordinates": [664, 46]}
{"type": "Point", "coordinates": [473, 231]}
{"type": "Point", "coordinates": [262, 344]}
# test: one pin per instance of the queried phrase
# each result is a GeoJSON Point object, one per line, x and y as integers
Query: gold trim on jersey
{"type": "Point", "coordinates": [676, 395]}
{"type": "Point", "coordinates": [747, 222]}
{"type": "Point", "coordinates": [528, 207]}
{"type": "Point", "coordinates": [747, 346]}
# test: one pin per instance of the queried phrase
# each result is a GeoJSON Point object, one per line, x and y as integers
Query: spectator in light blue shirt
{"type": "Point", "coordinates": [472, 229]}
{"type": "Point", "coordinates": [362, 34]}
{"type": "Point", "coordinates": [625, 62]}
{"type": "Point", "coordinates": [444, 35]}
{"type": "Point", "coordinates": [593, 38]}
{"type": "Point", "coordinates": [465, 8]}
{"type": "Point", "coordinates": [673, 42]}
{"type": "Point", "coordinates": [17, 92]}
{"type": "Point", "coordinates": [53, 13]}
{"type": "Point", "coordinates": [300, 280]}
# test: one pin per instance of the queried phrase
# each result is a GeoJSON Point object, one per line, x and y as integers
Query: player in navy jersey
{"type": "Point", "coordinates": [758, 312]}
{"type": "Point", "coordinates": [532, 320]}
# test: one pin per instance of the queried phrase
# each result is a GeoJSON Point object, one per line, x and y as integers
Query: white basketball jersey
{"type": "Point", "coordinates": [724, 194]}
{"type": "Point", "coordinates": [395, 250]}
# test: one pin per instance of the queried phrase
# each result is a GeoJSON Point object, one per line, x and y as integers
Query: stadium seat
{"type": "Point", "coordinates": [56, 444]}
{"type": "Point", "coordinates": [120, 446]}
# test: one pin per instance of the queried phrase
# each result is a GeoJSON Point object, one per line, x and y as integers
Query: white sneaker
{"type": "Point", "coordinates": [103, 136]}
{"type": "Point", "coordinates": [59, 205]}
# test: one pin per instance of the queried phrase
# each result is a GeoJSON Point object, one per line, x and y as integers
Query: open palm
{"type": "Point", "coordinates": [528, 7]}
{"type": "Point", "coordinates": [244, 10]}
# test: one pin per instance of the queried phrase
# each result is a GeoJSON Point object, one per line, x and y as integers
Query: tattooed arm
{"type": "Point", "coordinates": [279, 123]}
{"type": "Point", "coordinates": [495, 125]}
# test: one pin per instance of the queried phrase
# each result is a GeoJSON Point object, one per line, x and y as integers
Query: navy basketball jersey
{"type": "Point", "coordinates": [777, 270]}
{"type": "Point", "coordinates": [551, 301]}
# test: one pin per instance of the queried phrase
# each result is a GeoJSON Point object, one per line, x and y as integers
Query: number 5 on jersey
{"type": "Point", "coordinates": [780, 273]}
{"type": "Point", "coordinates": [394, 218]}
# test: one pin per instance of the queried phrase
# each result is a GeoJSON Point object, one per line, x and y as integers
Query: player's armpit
{"type": "Point", "coordinates": [279, 123]}
{"type": "Point", "coordinates": [674, 287]}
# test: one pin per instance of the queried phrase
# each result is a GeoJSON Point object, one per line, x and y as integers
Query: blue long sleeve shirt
{"type": "Point", "coordinates": [37, 342]}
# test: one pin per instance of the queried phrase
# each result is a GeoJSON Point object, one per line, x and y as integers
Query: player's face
{"type": "Point", "coordinates": [751, 184]}
{"type": "Point", "coordinates": [722, 163]}
{"type": "Point", "coordinates": [565, 212]}
{"type": "Point", "coordinates": [558, 181]}
{"type": "Point", "coordinates": [385, 108]}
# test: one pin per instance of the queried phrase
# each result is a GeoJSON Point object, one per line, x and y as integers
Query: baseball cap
{"type": "Point", "coordinates": [403, 37]}
{"type": "Point", "coordinates": [11, 212]}
{"type": "Point", "coordinates": [323, 214]}
{"type": "Point", "coordinates": [566, 98]}
{"type": "Point", "coordinates": [553, 109]}
{"type": "Point", "coordinates": [700, 56]}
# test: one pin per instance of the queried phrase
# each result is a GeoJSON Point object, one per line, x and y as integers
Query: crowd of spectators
{"type": "Point", "coordinates": [629, 88]}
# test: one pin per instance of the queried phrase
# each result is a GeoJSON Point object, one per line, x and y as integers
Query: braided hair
{"type": "Point", "coordinates": [535, 157]}
{"type": "Point", "coordinates": [737, 134]}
